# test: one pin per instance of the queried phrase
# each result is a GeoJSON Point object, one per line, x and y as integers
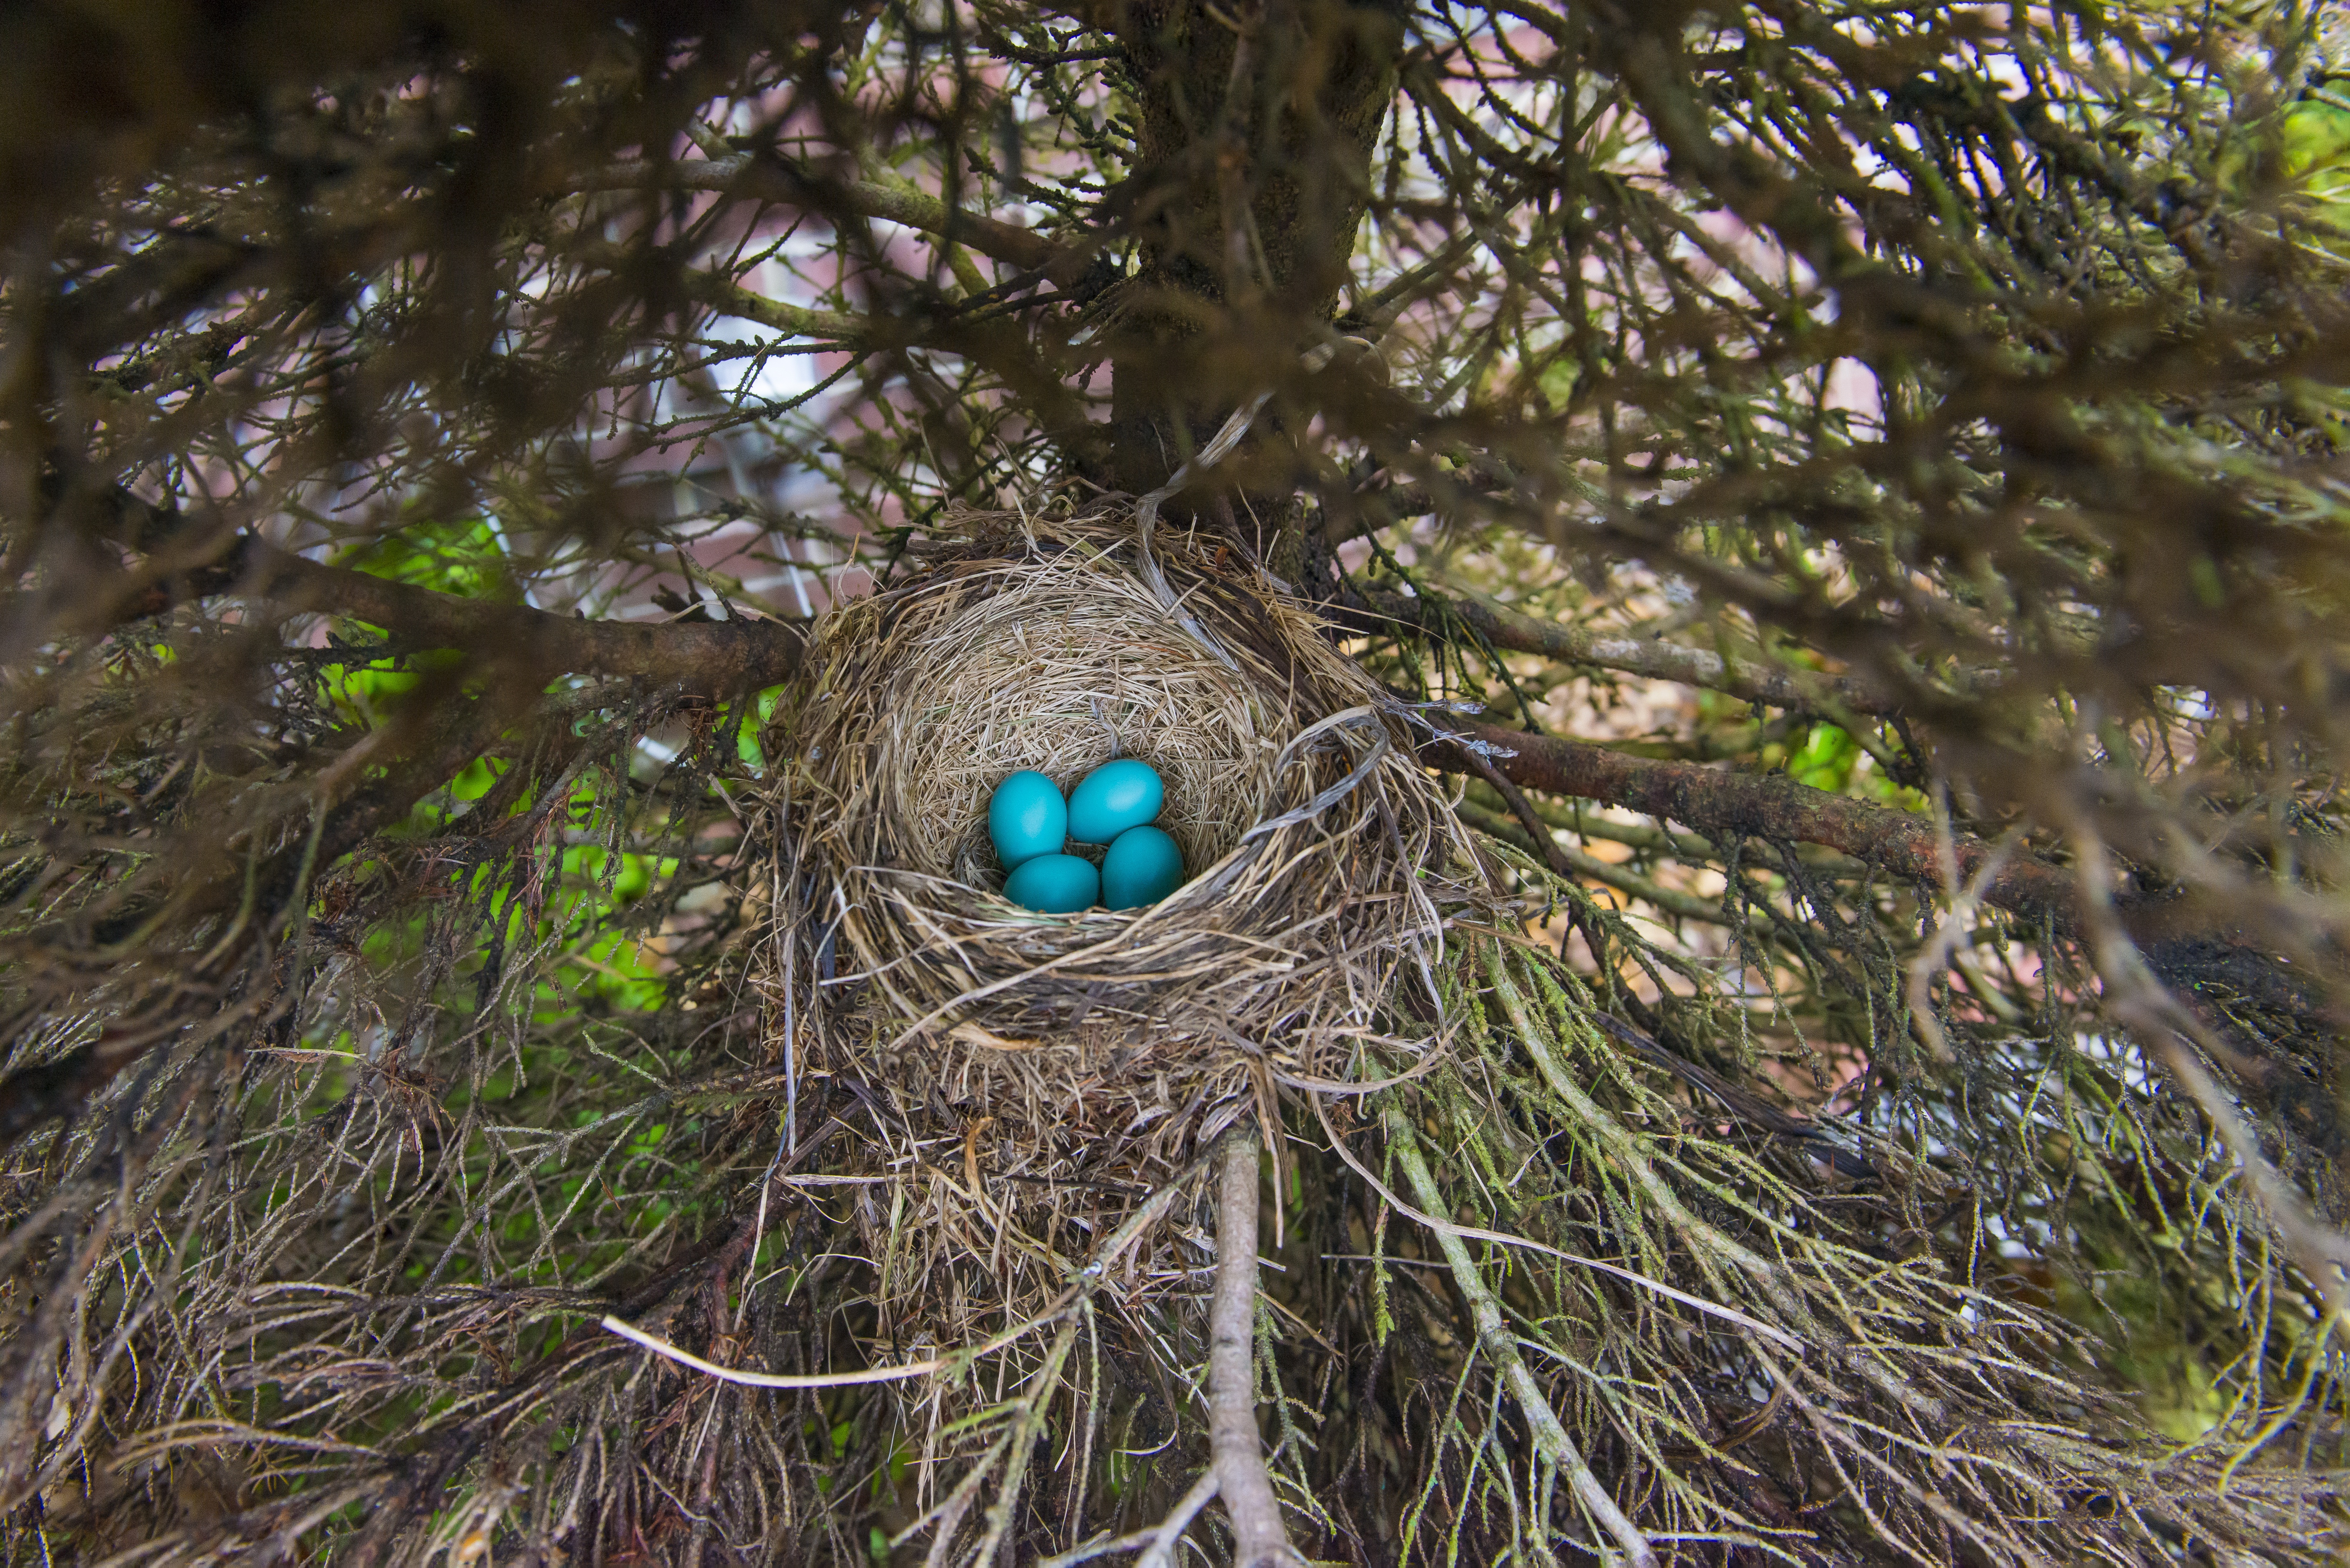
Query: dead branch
{"type": "Point", "coordinates": [1515, 632]}
{"type": "Point", "coordinates": [703, 657]}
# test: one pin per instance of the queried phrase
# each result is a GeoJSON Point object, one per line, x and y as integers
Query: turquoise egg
{"type": "Point", "coordinates": [1026, 817]}
{"type": "Point", "coordinates": [1053, 885]}
{"type": "Point", "coordinates": [1143, 865]}
{"type": "Point", "coordinates": [1112, 799]}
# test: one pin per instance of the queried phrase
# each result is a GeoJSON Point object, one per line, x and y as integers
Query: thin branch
{"type": "Point", "coordinates": [419, 750]}
{"type": "Point", "coordinates": [767, 179]}
{"type": "Point", "coordinates": [1161, 1552]}
{"type": "Point", "coordinates": [1575, 865]}
{"type": "Point", "coordinates": [737, 1376]}
{"type": "Point", "coordinates": [705, 658]}
{"type": "Point", "coordinates": [1501, 1238]}
{"type": "Point", "coordinates": [1520, 633]}
{"type": "Point", "coordinates": [728, 297]}
{"type": "Point", "coordinates": [1157, 1543]}
{"type": "Point", "coordinates": [2173, 1031]}
{"type": "Point", "coordinates": [1535, 835]}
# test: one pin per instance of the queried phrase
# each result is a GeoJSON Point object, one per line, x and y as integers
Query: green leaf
{"type": "Point", "coordinates": [2317, 149]}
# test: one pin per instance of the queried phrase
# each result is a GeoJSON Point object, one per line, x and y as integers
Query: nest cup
{"type": "Point", "coordinates": [1319, 854]}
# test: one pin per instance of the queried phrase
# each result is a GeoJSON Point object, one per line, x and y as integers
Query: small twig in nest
{"type": "Point", "coordinates": [1145, 513]}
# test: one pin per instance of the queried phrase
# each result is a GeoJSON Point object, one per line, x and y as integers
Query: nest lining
{"type": "Point", "coordinates": [1321, 857]}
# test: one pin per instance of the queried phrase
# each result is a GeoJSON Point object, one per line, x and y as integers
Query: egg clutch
{"type": "Point", "coordinates": [1029, 821]}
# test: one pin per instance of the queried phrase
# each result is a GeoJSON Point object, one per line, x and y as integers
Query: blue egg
{"type": "Point", "coordinates": [1026, 817]}
{"type": "Point", "coordinates": [1143, 865]}
{"type": "Point", "coordinates": [1112, 799]}
{"type": "Point", "coordinates": [1053, 885]}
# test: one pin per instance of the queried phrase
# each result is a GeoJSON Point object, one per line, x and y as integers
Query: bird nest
{"type": "Point", "coordinates": [1320, 855]}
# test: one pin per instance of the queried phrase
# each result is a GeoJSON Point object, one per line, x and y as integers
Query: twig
{"type": "Point", "coordinates": [1497, 623]}
{"type": "Point", "coordinates": [1493, 1337]}
{"type": "Point", "coordinates": [1537, 831]}
{"type": "Point", "coordinates": [1722, 805]}
{"type": "Point", "coordinates": [1161, 1552]}
{"type": "Point", "coordinates": [1157, 1543]}
{"type": "Point", "coordinates": [707, 658]}
{"type": "Point", "coordinates": [1582, 866]}
{"type": "Point", "coordinates": [1954, 930]}
{"type": "Point", "coordinates": [769, 178]}
{"type": "Point", "coordinates": [661, 1346]}
{"type": "Point", "coordinates": [1260, 1540]}
{"type": "Point", "coordinates": [1022, 1444]}
{"type": "Point", "coordinates": [1146, 514]}
{"type": "Point", "coordinates": [2164, 1024]}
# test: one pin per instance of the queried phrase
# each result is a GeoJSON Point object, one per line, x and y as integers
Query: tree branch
{"type": "Point", "coordinates": [427, 746]}
{"type": "Point", "coordinates": [1517, 632]}
{"type": "Point", "coordinates": [1716, 803]}
{"type": "Point", "coordinates": [2192, 944]}
{"type": "Point", "coordinates": [1159, 1552]}
{"type": "Point", "coordinates": [728, 297]}
{"type": "Point", "coordinates": [1574, 865]}
{"type": "Point", "coordinates": [769, 179]}
{"type": "Point", "coordinates": [517, 649]}
{"type": "Point", "coordinates": [706, 658]}
{"type": "Point", "coordinates": [1493, 1336]}
{"type": "Point", "coordinates": [1260, 1540]}
{"type": "Point", "coordinates": [703, 657]}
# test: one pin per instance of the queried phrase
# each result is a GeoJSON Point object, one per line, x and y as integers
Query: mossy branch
{"type": "Point", "coordinates": [1493, 1337]}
